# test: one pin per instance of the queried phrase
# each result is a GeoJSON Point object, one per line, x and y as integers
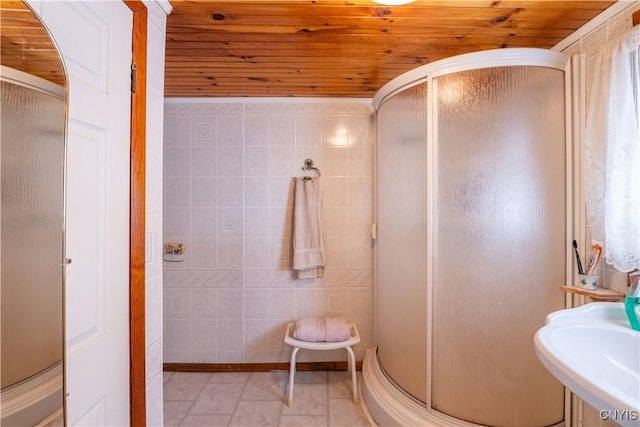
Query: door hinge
{"type": "Point", "coordinates": [134, 77]}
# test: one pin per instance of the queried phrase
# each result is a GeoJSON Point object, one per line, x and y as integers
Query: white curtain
{"type": "Point", "coordinates": [612, 152]}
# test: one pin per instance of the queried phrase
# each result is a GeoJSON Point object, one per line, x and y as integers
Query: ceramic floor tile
{"type": "Point", "coordinates": [185, 385]}
{"type": "Point", "coordinates": [206, 421]}
{"type": "Point", "coordinates": [266, 386]}
{"type": "Point", "coordinates": [217, 398]}
{"type": "Point", "coordinates": [166, 376]}
{"type": "Point", "coordinates": [320, 399]}
{"type": "Point", "coordinates": [344, 413]}
{"type": "Point", "coordinates": [340, 384]}
{"type": "Point", "coordinates": [310, 377]}
{"type": "Point", "coordinates": [303, 421]}
{"type": "Point", "coordinates": [174, 411]}
{"type": "Point", "coordinates": [256, 413]}
{"type": "Point", "coordinates": [308, 399]}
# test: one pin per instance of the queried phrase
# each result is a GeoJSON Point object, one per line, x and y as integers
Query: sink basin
{"type": "Point", "coordinates": [594, 352]}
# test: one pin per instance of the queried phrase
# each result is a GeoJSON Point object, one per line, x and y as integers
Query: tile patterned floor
{"type": "Point", "coordinates": [320, 398]}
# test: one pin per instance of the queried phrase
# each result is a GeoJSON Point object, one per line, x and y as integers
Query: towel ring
{"type": "Point", "coordinates": [308, 166]}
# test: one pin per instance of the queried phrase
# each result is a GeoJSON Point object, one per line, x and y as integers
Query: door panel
{"type": "Point", "coordinates": [95, 41]}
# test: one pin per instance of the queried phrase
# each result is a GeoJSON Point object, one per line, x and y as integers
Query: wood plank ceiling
{"type": "Point", "coordinates": [25, 44]}
{"type": "Point", "coordinates": [312, 48]}
{"type": "Point", "coordinates": [342, 48]}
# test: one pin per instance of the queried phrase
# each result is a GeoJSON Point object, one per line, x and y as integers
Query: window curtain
{"type": "Point", "coordinates": [612, 152]}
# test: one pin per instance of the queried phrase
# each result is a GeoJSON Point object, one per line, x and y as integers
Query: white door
{"type": "Point", "coordinates": [95, 40]}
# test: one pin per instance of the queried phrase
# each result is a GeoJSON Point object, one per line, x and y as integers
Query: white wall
{"type": "Point", "coordinates": [157, 16]}
{"type": "Point", "coordinates": [228, 195]}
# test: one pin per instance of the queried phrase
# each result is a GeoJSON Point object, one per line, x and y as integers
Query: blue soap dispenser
{"type": "Point", "coordinates": [632, 305]}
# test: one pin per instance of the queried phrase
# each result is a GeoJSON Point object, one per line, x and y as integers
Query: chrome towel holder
{"type": "Point", "coordinates": [308, 166]}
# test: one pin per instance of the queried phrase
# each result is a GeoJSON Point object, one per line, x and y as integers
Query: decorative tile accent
{"type": "Point", "coordinates": [282, 252]}
{"type": "Point", "coordinates": [201, 109]}
{"type": "Point", "coordinates": [258, 335]}
{"type": "Point", "coordinates": [335, 303]}
{"type": "Point", "coordinates": [306, 109]}
{"type": "Point", "coordinates": [203, 279]}
{"type": "Point", "coordinates": [256, 161]}
{"type": "Point", "coordinates": [229, 223]}
{"type": "Point", "coordinates": [268, 279]}
{"type": "Point", "coordinates": [177, 304]}
{"type": "Point", "coordinates": [204, 131]}
{"type": "Point", "coordinates": [356, 277]}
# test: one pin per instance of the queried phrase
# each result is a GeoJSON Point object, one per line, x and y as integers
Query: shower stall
{"type": "Point", "coordinates": [32, 151]}
{"type": "Point", "coordinates": [474, 165]}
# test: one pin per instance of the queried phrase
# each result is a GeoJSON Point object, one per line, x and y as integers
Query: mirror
{"type": "Point", "coordinates": [32, 156]}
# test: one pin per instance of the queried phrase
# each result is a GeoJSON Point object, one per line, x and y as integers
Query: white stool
{"type": "Point", "coordinates": [297, 345]}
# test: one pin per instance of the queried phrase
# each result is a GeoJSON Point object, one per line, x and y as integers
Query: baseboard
{"type": "Point", "coordinates": [257, 367]}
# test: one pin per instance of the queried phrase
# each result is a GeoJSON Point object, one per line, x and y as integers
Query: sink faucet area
{"type": "Point", "coordinates": [595, 353]}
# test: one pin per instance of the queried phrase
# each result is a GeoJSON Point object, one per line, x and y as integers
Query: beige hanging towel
{"type": "Point", "coordinates": [308, 242]}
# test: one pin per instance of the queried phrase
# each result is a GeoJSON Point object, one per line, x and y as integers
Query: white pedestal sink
{"type": "Point", "coordinates": [594, 352]}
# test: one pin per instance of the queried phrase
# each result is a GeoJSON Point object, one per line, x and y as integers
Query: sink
{"type": "Point", "coordinates": [594, 352]}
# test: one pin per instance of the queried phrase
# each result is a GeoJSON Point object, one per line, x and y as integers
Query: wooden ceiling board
{"type": "Point", "coordinates": [25, 44]}
{"type": "Point", "coordinates": [312, 48]}
{"type": "Point", "coordinates": [336, 48]}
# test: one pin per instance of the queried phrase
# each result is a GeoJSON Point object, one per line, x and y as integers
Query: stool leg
{"type": "Point", "coordinates": [352, 366]}
{"type": "Point", "coordinates": [292, 374]}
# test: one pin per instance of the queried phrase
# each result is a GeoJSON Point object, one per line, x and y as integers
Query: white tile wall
{"type": "Point", "coordinates": [228, 196]}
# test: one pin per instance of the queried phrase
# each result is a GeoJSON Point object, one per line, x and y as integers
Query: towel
{"type": "Point", "coordinates": [308, 242]}
{"type": "Point", "coordinates": [328, 329]}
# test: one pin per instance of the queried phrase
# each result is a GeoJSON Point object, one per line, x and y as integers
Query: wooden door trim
{"type": "Point", "coordinates": [137, 341]}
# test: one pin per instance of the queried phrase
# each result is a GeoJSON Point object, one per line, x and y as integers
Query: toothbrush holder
{"type": "Point", "coordinates": [588, 282]}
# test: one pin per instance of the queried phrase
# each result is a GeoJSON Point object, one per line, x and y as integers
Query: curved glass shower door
{"type": "Point", "coordinates": [473, 217]}
{"type": "Point", "coordinates": [499, 253]}
{"type": "Point", "coordinates": [402, 239]}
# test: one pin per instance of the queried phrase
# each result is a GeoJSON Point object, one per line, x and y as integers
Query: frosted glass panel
{"type": "Point", "coordinates": [500, 246]}
{"type": "Point", "coordinates": [32, 150]}
{"type": "Point", "coordinates": [402, 239]}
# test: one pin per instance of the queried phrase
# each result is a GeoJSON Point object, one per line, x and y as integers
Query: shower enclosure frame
{"type": "Point", "coordinates": [387, 403]}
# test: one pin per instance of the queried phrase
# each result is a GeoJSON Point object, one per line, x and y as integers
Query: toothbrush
{"type": "Point", "coordinates": [597, 249]}
{"type": "Point", "coordinates": [575, 249]}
